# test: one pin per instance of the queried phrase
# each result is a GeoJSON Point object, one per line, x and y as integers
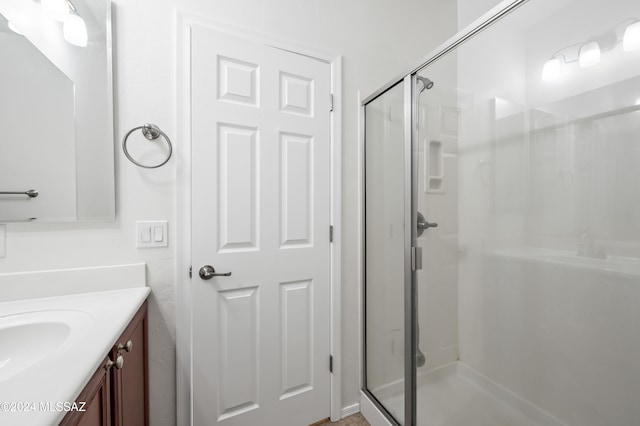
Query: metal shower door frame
{"type": "Point", "coordinates": [410, 255]}
{"type": "Point", "coordinates": [410, 237]}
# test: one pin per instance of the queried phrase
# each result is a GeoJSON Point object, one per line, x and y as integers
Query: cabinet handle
{"type": "Point", "coordinates": [119, 362]}
{"type": "Point", "coordinates": [127, 346]}
{"type": "Point", "coordinates": [108, 364]}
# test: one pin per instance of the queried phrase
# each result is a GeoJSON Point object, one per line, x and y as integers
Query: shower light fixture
{"type": "Point", "coordinates": [589, 54]}
{"type": "Point", "coordinates": [631, 40]}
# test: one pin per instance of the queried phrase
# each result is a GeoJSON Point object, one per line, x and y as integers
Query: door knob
{"type": "Point", "coordinates": [207, 272]}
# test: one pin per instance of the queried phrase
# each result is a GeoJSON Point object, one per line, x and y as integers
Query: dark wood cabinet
{"type": "Point", "coordinates": [130, 382]}
{"type": "Point", "coordinates": [96, 397]}
{"type": "Point", "coordinates": [117, 393]}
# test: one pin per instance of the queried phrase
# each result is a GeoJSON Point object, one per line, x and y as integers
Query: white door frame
{"type": "Point", "coordinates": [184, 21]}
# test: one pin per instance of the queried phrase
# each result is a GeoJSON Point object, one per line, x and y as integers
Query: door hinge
{"type": "Point", "coordinates": [330, 101]}
{"type": "Point", "coordinates": [330, 363]}
{"type": "Point", "coordinates": [190, 269]}
{"type": "Point", "coordinates": [416, 259]}
{"type": "Point", "coordinates": [330, 233]}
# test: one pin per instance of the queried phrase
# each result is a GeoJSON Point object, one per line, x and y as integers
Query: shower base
{"type": "Point", "coordinates": [456, 395]}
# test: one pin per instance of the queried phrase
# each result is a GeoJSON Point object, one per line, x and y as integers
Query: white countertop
{"type": "Point", "coordinates": [618, 265]}
{"type": "Point", "coordinates": [62, 375]}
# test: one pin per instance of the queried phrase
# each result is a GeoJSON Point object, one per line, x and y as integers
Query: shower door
{"type": "Point", "coordinates": [387, 238]}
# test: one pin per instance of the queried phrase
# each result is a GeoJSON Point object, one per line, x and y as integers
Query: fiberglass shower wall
{"type": "Point", "coordinates": [436, 151]}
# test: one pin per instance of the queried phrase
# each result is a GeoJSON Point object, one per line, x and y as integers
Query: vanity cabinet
{"type": "Point", "coordinates": [129, 383]}
{"type": "Point", "coordinates": [97, 395]}
{"type": "Point", "coordinates": [117, 394]}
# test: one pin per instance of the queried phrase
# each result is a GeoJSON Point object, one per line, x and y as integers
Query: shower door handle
{"type": "Point", "coordinates": [427, 225]}
{"type": "Point", "coordinates": [423, 224]}
{"type": "Point", "coordinates": [207, 272]}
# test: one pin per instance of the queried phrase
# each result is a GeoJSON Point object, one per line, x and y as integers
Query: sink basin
{"type": "Point", "coordinates": [30, 338]}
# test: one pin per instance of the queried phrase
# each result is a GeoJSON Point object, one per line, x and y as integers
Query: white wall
{"type": "Point", "coordinates": [377, 42]}
{"type": "Point", "coordinates": [468, 11]}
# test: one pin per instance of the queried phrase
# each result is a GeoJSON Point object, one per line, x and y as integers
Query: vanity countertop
{"type": "Point", "coordinates": [613, 265]}
{"type": "Point", "coordinates": [76, 331]}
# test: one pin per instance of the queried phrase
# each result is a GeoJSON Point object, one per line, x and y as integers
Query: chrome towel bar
{"type": "Point", "coordinates": [31, 193]}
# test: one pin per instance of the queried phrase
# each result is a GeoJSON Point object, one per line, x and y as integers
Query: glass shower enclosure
{"type": "Point", "coordinates": [502, 224]}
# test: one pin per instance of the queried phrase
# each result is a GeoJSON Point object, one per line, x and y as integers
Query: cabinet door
{"type": "Point", "coordinates": [130, 381]}
{"type": "Point", "coordinates": [97, 398]}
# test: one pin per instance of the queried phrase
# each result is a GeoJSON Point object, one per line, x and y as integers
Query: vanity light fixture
{"type": "Point", "coordinates": [589, 53]}
{"type": "Point", "coordinates": [14, 29]}
{"type": "Point", "coordinates": [555, 67]}
{"type": "Point", "coordinates": [552, 69]}
{"type": "Point", "coordinates": [56, 9]}
{"type": "Point", "coordinates": [74, 28]}
{"type": "Point", "coordinates": [631, 39]}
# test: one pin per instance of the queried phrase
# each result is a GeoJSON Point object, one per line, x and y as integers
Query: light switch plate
{"type": "Point", "coordinates": [3, 241]}
{"type": "Point", "coordinates": [150, 234]}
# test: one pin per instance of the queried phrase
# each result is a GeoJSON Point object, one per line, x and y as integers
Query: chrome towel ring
{"type": "Point", "coordinates": [151, 132]}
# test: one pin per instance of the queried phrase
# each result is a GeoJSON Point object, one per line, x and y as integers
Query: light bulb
{"type": "Point", "coordinates": [551, 70]}
{"type": "Point", "coordinates": [56, 9]}
{"type": "Point", "coordinates": [14, 29]}
{"type": "Point", "coordinates": [75, 30]}
{"type": "Point", "coordinates": [589, 54]}
{"type": "Point", "coordinates": [631, 40]}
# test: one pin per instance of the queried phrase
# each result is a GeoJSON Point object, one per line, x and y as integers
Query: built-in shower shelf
{"type": "Point", "coordinates": [433, 167]}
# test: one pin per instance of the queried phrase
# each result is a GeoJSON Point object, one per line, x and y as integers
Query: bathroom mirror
{"type": "Point", "coordinates": [583, 154]}
{"type": "Point", "coordinates": [56, 111]}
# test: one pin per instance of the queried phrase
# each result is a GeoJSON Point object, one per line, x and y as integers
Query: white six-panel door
{"type": "Point", "coordinates": [260, 210]}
